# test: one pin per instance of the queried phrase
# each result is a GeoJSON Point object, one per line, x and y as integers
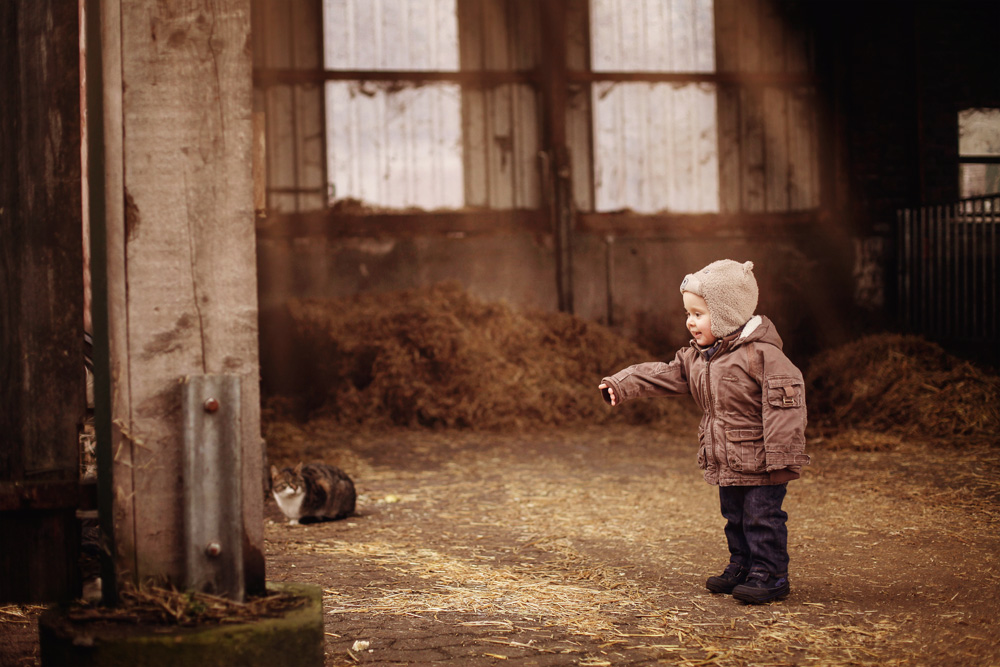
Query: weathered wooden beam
{"type": "Point", "coordinates": [333, 224]}
{"type": "Point", "coordinates": [281, 76]}
{"type": "Point", "coordinates": [698, 225]}
{"type": "Point", "coordinates": [181, 261]}
{"type": "Point", "coordinates": [42, 385]}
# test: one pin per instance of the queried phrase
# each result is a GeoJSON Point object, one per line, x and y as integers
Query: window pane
{"type": "Point", "coordinates": [979, 132]}
{"type": "Point", "coordinates": [656, 148]}
{"type": "Point", "coordinates": [979, 136]}
{"type": "Point", "coordinates": [653, 35]}
{"type": "Point", "coordinates": [655, 144]}
{"type": "Point", "coordinates": [395, 147]}
{"type": "Point", "coordinates": [390, 35]}
{"type": "Point", "coordinates": [978, 180]}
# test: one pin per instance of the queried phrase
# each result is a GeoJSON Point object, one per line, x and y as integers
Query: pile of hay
{"type": "Point", "coordinates": [438, 357]}
{"type": "Point", "coordinates": [905, 386]}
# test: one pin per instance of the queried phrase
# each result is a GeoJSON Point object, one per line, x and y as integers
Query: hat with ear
{"type": "Point", "coordinates": [730, 290]}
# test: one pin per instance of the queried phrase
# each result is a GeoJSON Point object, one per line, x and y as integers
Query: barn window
{"type": "Point", "coordinates": [979, 152]}
{"type": "Point", "coordinates": [703, 106]}
{"type": "Point", "coordinates": [436, 107]}
{"type": "Point", "coordinates": [393, 142]}
{"type": "Point", "coordinates": [655, 142]}
{"type": "Point", "coordinates": [689, 106]}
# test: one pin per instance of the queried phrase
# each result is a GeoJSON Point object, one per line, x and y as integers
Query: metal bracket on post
{"type": "Point", "coordinates": [213, 505]}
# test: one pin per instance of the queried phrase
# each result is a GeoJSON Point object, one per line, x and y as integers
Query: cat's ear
{"type": "Point", "coordinates": [298, 468]}
{"type": "Point", "coordinates": [274, 472]}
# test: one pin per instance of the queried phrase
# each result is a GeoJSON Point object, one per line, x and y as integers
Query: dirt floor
{"type": "Point", "coordinates": [591, 546]}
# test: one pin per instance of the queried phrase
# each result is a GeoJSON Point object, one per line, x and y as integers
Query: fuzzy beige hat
{"type": "Point", "coordinates": [729, 289]}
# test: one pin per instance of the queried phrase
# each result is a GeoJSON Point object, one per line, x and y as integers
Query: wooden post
{"type": "Point", "coordinates": [42, 382]}
{"type": "Point", "coordinates": [260, 164]}
{"type": "Point", "coordinates": [555, 86]}
{"type": "Point", "coordinates": [181, 269]}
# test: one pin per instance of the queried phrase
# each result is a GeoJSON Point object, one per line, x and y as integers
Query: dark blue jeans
{"type": "Point", "coordinates": [755, 526]}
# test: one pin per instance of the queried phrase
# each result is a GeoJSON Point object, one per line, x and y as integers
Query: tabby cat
{"type": "Point", "coordinates": [314, 491]}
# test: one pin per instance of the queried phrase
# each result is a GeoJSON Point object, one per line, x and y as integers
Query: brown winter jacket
{"type": "Point", "coordinates": [753, 401]}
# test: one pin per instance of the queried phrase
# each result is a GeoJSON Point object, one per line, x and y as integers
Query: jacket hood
{"type": "Point", "coordinates": [761, 329]}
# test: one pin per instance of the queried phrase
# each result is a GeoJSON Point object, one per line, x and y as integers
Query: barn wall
{"type": "Point", "coordinates": [899, 78]}
{"type": "Point", "coordinates": [956, 52]}
{"type": "Point", "coordinates": [903, 74]}
{"type": "Point", "coordinates": [339, 254]}
{"type": "Point", "coordinates": [802, 285]}
{"type": "Point", "coordinates": [873, 89]}
{"type": "Point", "coordinates": [804, 274]}
{"type": "Point", "coordinates": [518, 269]}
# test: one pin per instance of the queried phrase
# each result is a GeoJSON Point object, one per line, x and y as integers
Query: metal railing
{"type": "Point", "coordinates": [947, 270]}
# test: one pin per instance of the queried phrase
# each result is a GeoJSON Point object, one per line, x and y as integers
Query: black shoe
{"type": "Point", "coordinates": [762, 587]}
{"type": "Point", "coordinates": [728, 580]}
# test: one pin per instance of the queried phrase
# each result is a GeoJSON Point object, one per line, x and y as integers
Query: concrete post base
{"type": "Point", "coordinates": [295, 638]}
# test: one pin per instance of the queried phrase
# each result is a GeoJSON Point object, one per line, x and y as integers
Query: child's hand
{"type": "Point", "coordinates": [611, 392]}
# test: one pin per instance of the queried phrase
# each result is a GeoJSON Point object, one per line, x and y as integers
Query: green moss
{"type": "Point", "coordinates": [296, 638]}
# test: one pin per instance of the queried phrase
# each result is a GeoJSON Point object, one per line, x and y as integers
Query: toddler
{"type": "Point", "coordinates": [752, 433]}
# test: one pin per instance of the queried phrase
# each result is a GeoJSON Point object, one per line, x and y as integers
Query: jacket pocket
{"type": "Point", "coordinates": [785, 391]}
{"type": "Point", "coordinates": [745, 450]}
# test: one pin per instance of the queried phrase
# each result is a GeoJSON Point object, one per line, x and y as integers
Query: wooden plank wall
{"type": "Point", "coordinates": [42, 391]}
{"type": "Point", "coordinates": [289, 35]}
{"type": "Point", "coordinates": [768, 133]}
{"type": "Point", "coordinates": [501, 121]}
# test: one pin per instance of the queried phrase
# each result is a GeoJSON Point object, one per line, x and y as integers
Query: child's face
{"type": "Point", "coordinates": [699, 321]}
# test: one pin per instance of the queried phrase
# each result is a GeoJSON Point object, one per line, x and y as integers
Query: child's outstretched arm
{"type": "Point", "coordinates": [654, 378]}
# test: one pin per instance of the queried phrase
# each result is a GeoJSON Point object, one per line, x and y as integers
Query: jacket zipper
{"type": "Point", "coordinates": [711, 409]}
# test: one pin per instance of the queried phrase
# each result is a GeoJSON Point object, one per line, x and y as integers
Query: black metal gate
{"type": "Point", "coordinates": [947, 270]}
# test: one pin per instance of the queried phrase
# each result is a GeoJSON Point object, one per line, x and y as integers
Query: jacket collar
{"type": "Point", "coordinates": [731, 340]}
{"type": "Point", "coordinates": [751, 326]}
